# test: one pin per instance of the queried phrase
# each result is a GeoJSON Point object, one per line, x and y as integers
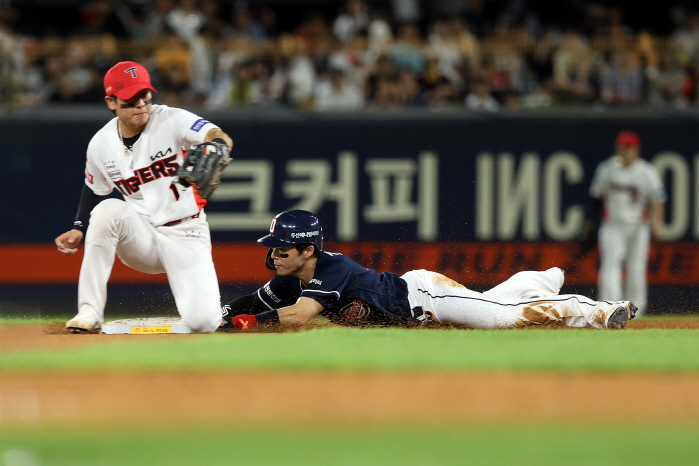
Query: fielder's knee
{"type": "Point", "coordinates": [106, 211]}
{"type": "Point", "coordinates": [204, 323]}
{"type": "Point", "coordinates": [102, 220]}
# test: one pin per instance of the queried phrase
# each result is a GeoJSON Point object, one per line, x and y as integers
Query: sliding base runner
{"type": "Point", "coordinates": [145, 326]}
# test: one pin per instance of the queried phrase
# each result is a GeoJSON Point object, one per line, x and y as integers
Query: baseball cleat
{"type": "Point", "coordinates": [622, 314]}
{"type": "Point", "coordinates": [80, 326]}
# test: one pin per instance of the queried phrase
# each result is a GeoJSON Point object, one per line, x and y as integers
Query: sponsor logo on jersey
{"type": "Point", "coordinates": [316, 281]}
{"type": "Point", "coordinates": [305, 234]}
{"type": "Point", "coordinates": [160, 154]}
{"type": "Point", "coordinates": [632, 190]}
{"type": "Point", "coordinates": [162, 168]}
{"type": "Point", "coordinates": [199, 124]}
{"type": "Point", "coordinates": [112, 171]}
{"type": "Point", "coordinates": [268, 292]}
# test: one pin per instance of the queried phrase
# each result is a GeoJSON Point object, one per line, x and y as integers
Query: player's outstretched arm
{"type": "Point", "coordinates": [294, 316]}
{"type": "Point", "coordinates": [67, 243]}
{"type": "Point", "coordinates": [300, 313]}
{"type": "Point", "coordinates": [248, 304]}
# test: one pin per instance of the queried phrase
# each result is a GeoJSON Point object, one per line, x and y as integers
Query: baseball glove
{"type": "Point", "coordinates": [203, 166]}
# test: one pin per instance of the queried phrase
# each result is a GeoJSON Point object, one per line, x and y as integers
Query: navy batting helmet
{"type": "Point", "coordinates": [291, 228]}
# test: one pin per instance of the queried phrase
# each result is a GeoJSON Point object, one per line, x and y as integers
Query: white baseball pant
{"type": "Point", "coordinates": [182, 251]}
{"type": "Point", "coordinates": [526, 298]}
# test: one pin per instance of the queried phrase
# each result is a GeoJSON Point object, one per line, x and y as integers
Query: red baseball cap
{"type": "Point", "coordinates": [628, 139]}
{"type": "Point", "coordinates": [126, 79]}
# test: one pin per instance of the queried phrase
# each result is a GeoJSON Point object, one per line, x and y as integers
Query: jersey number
{"type": "Point", "coordinates": [175, 191]}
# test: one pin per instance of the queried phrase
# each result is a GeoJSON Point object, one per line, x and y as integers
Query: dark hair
{"type": "Point", "coordinates": [303, 246]}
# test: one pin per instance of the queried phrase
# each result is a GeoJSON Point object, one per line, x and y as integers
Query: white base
{"type": "Point", "coordinates": [145, 326]}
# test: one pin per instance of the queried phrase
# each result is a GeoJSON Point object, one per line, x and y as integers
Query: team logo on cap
{"type": "Point", "coordinates": [305, 234]}
{"type": "Point", "coordinates": [132, 70]}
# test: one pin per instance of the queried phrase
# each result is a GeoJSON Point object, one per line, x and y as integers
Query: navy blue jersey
{"type": "Point", "coordinates": [349, 293]}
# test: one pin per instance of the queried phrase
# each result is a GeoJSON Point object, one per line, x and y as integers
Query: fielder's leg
{"type": "Point", "coordinates": [447, 301]}
{"type": "Point", "coordinates": [612, 251]}
{"type": "Point", "coordinates": [114, 228]}
{"type": "Point", "coordinates": [637, 266]}
{"type": "Point", "coordinates": [185, 250]}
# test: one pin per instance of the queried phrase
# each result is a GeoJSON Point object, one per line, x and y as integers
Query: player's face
{"type": "Point", "coordinates": [134, 112]}
{"type": "Point", "coordinates": [628, 153]}
{"type": "Point", "coordinates": [288, 261]}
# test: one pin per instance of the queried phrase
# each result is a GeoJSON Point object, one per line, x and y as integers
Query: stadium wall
{"type": "Point", "coordinates": [475, 196]}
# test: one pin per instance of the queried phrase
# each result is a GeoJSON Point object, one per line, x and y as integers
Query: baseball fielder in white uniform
{"type": "Point", "coordinates": [160, 226]}
{"type": "Point", "coordinates": [633, 198]}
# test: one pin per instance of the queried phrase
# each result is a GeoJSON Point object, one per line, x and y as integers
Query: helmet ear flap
{"type": "Point", "coordinates": [268, 260]}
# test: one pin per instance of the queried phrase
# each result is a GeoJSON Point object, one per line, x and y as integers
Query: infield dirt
{"type": "Point", "coordinates": [55, 335]}
{"type": "Point", "coordinates": [333, 396]}
{"type": "Point", "coordinates": [433, 398]}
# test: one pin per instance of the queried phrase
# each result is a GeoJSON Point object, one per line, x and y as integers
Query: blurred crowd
{"type": "Point", "coordinates": [479, 54]}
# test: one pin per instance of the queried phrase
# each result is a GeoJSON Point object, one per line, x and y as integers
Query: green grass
{"type": "Point", "coordinates": [382, 349]}
{"type": "Point", "coordinates": [310, 446]}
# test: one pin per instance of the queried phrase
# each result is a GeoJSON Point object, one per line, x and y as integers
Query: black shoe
{"type": "Point", "coordinates": [622, 314]}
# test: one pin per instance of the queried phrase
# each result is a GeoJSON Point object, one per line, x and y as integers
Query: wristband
{"type": "Point", "coordinates": [78, 225]}
{"type": "Point", "coordinates": [245, 322]}
{"type": "Point", "coordinates": [268, 318]}
{"type": "Point", "coordinates": [220, 141]}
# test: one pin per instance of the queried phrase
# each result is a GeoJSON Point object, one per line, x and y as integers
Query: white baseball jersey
{"type": "Point", "coordinates": [627, 191]}
{"type": "Point", "coordinates": [144, 175]}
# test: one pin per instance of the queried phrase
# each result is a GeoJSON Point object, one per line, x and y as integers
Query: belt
{"type": "Point", "coordinates": [177, 222]}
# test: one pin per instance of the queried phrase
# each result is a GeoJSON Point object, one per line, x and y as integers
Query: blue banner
{"type": "Point", "coordinates": [425, 178]}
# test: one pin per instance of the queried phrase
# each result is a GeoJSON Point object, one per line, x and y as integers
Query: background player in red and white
{"type": "Point", "coordinates": [630, 195]}
{"type": "Point", "coordinates": [311, 281]}
{"type": "Point", "coordinates": [160, 227]}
